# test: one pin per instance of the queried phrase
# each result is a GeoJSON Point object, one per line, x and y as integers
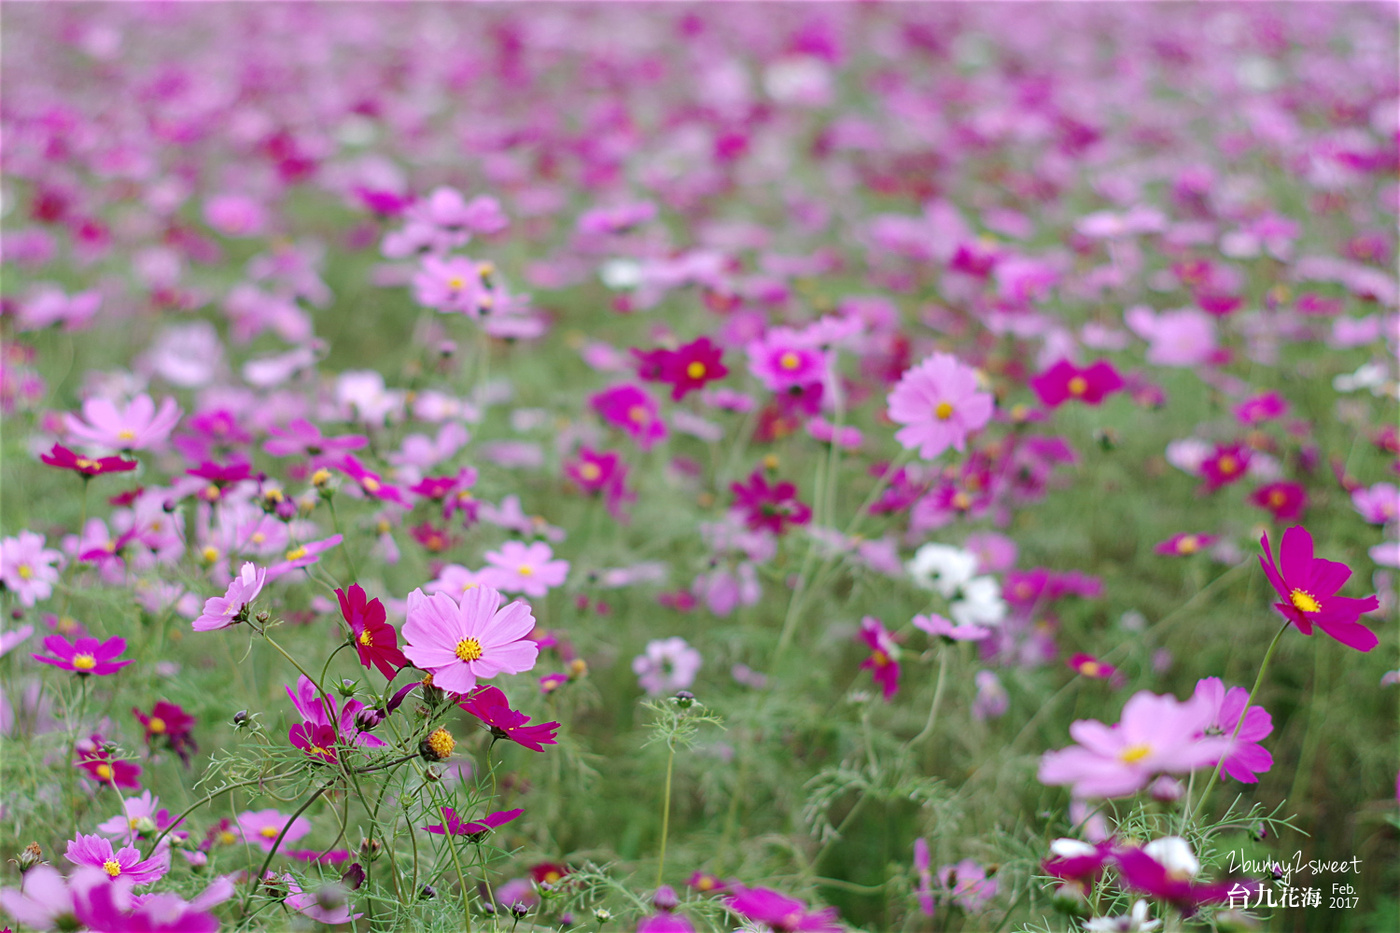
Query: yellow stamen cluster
{"type": "Point", "coordinates": [156, 725]}
{"type": "Point", "coordinates": [943, 412]}
{"type": "Point", "coordinates": [1134, 753]}
{"type": "Point", "coordinates": [1304, 601]}
{"type": "Point", "coordinates": [468, 649]}
{"type": "Point", "coordinates": [1078, 385]}
{"type": "Point", "coordinates": [84, 662]}
{"type": "Point", "coordinates": [112, 867]}
{"type": "Point", "coordinates": [438, 745]}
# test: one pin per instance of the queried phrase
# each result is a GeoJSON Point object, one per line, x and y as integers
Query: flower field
{"type": "Point", "coordinates": [700, 467]}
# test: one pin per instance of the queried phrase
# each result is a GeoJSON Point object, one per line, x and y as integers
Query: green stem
{"type": "Point", "coordinates": [345, 543]}
{"type": "Point", "coordinates": [937, 697]}
{"type": "Point", "coordinates": [665, 812]}
{"type": "Point", "coordinates": [276, 843]}
{"type": "Point", "coordinates": [175, 824]}
{"type": "Point", "coordinates": [1258, 681]}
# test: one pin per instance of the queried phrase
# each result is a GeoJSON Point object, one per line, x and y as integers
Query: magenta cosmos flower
{"type": "Point", "coordinates": [138, 426]}
{"type": "Point", "coordinates": [1181, 545]}
{"type": "Point", "coordinates": [529, 569]}
{"type": "Point", "coordinates": [883, 662]}
{"type": "Point", "coordinates": [458, 642]}
{"type": "Point", "coordinates": [1157, 734]}
{"type": "Point", "coordinates": [783, 914]}
{"type": "Point", "coordinates": [124, 863]}
{"type": "Point", "coordinates": [65, 459]}
{"type": "Point", "coordinates": [630, 408]}
{"type": "Point", "coordinates": [223, 611]}
{"type": "Point", "coordinates": [491, 706]}
{"type": "Point", "coordinates": [939, 405]}
{"type": "Point", "coordinates": [1065, 381]}
{"type": "Point", "coordinates": [262, 827]}
{"type": "Point", "coordinates": [1247, 758]}
{"type": "Point", "coordinates": [1309, 586]}
{"type": "Point", "coordinates": [84, 656]}
{"type": "Point", "coordinates": [455, 827]}
{"type": "Point", "coordinates": [376, 641]}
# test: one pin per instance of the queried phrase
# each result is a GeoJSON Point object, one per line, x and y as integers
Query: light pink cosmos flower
{"type": "Point", "coordinates": [1175, 338]}
{"type": "Point", "coordinates": [1259, 408]}
{"type": "Point", "coordinates": [1157, 734]}
{"type": "Point", "coordinates": [223, 611]}
{"type": "Point", "coordinates": [124, 863]}
{"type": "Point", "coordinates": [28, 568]}
{"type": "Point", "coordinates": [782, 360]}
{"type": "Point", "coordinates": [138, 426]}
{"type": "Point", "coordinates": [460, 641]}
{"type": "Point", "coordinates": [261, 828]}
{"type": "Point", "coordinates": [309, 903]}
{"type": "Point", "coordinates": [235, 215]}
{"type": "Point", "coordinates": [1247, 758]}
{"type": "Point", "coordinates": [303, 555]}
{"type": "Point", "coordinates": [935, 624]}
{"type": "Point", "coordinates": [1378, 504]}
{"type": "Point", "coordinates": [939, 405]}
{"type": "Point", "coordinates": [667, 665]}
{"type": "Point", "coordinates": [528, 569]}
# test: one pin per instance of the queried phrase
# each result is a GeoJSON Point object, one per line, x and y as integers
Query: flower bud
{"type": "Point", "coordinates": [241, 719]}
{"type": "Point", "coordinates": [262, 616]}
{"type": "Point", "coordinates": [370, 849]}
{"type": "Point", "coordinates": [346, 688]}
{"type": "Point", "coordinates": [320, 478]}
{"type": "Point", "coordinates": [602, 914]}
{"type": "Point", "coordinates": [354, 877]}
{"type": "Point", "coordinates": [368, 718]}
{"type": "Point", "coordinates": [665, 898]}
{"type": "Point", "coordinates": [519, 909]}
{"type": "Point", "coordinates": [31, 856]}
{"type": "Point", "coordinates": [683, 699]}
{"type": "Point", "coordinates": [144, 825]}
{"type": "Point", "coordinates": [427, 893]}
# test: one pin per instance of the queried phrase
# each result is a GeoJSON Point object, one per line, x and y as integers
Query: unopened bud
{"type": "Point", "coordinates": [519, 909]}
{"type": "Point", "coordinates": [602, 914]}
{"type": "Point", "coordinates": [354, 877]}
{"type": "Point", "coordinates": [262, 616]}
{"type": "Point", "coordinates": [241, 718]}
{"type": "Point", "coordinates": [31, 856]}
{"type": "Point", "coordinates": [370, 849]}
{"type": "Point", "coordinates": [1166, 789]}
{"type": "Point", "coordinates": [665, 898]}
{"type": "Point", "coordinates": [684, 699]}
{"type": "Point", "coordinates": [368, 718]}
{"type": "Point", "coordinates": [144, 825]}
{"type": "Point", "coordinates": [346, 688]}
{"type": "Point", "coordinates": [427, 893]}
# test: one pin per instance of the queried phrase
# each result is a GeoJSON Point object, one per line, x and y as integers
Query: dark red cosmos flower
{"type": "Point", "coordinates": [169, 722]}
{"type": "Point", "coordinates": [1285, 500]}
{"type": "Point", "coordinates": [434, 539]}
{"type": "Point", "coordinates": [99, 765]}
{"type": "Point", "coordinates": [65, 459]}
{"type": "Point", "coordinates": [1142, 872]}
{"type": "Point", "coordinates": [1309, 585]}
{"type": "Point", "coordinates": [773, 507]}
{"type": "Point", "coordinates": [549, 872]}
{"type": "Point", "coordinates": [478, 828]}
{"type": "Point", "coordinates": [376, 641]}
{"type": "Point", "coordinates": [1227, 464]}
{"type": "Point", "coordinates": [1065, 381]}
{"type": "Point", "coordinates": [489, 705]}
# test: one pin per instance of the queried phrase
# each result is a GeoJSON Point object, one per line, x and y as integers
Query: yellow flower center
{"type": "Point", "coordinates": [551, 876]}
{"type": "Point", "coordinates": [210, 554]}
{"type": "Point", "coordinates": [695, 370]}
{"type": "Point", "coordinates": [268, 832]}
{"type": "Point", "coordinates": [83, 463]}
{"type": "Point", "coordinates": [1303, 601]}
{"type": "Point", "coordinates": [364, 638]}
{"type": "Point", "coordinates": [296, 553]}
{"type": "Point", "coordinates": [227, 838]}
{"type": "Point", "coordinates": [1078, 385]}
{"type": "Point", "coordinates": [1134, 753]}
{"type": "Point", "coordinates": [468, 649]}
{"type": "Point", "coordinates": [258, 537]}
{"type": "Point", "coordinates": [1277, 498]}
{"type": "Point", "coordinates": [704, 884]}
{"type": "Point", "coordinates": [789, 361]}
{"type": "Point", "coordinates": [525, 570]}
{"type": "Point", "coordinates": [319, 750]}
{"type": "Point", "coordinates": [590, 471]}
{"type": "Point", "coordinates": [320, 477]}
{"type": "Point", "coordinates": [456, 283]}
{"type": "Point", "coordinates": [1090, 668]}
{"type": "Point", "coordinates": [440, 743]}
{"type": "Point", "coordinates": [880, 658]}
{"type": "Point", "coordinates": [112, 867]}
{"type": "Point", "coordinates": [1228, 464]}
{"type": "Point", "coordinates": [1187, 545]}
{"type": "Point", "coordinates": [943, 411]}
{"type": "Point", "coordinates": [961, 500]}
{"type": "Point", "coordinates": [370, 483]}
{"type": "Point", "coordinates": [156, 725]}
{"type": "Point", "coordinates": [127, 435]}
{"type": "Point", "coordinates": [84, 662]}
{"type": "Point", "coordinates": [25, 571]}
{"type": "Point", "coordinates": [638, 414]}
{"type": "Point", "coordinates": [104, 772]}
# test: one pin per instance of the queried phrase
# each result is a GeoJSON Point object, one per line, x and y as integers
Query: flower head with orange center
{"type": "Point", "coordinates": [461, 641]}
{"type": "Point", "coordinates": [1309, 586]}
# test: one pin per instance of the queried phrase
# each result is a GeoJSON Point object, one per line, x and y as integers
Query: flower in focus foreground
{"type": "Point", "coordinates": [1309, 585]}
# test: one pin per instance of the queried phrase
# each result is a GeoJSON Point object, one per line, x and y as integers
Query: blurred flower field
{"type": "Point", "coordinates": [700, 467]}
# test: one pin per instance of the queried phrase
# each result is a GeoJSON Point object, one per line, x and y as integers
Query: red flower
{"type": "Point", "coordinates": [772, 507]}
{"type": "Point", "coordinates": [1226, 465]}
{"type": "Point", "coordinates": [65, 459]}
{"type": "Point", "coordinates": [1065, 381]}
{"type": "Point", "coordinates": [97, 763]}
{"type": "Point", "coordinates": [489, 705]}
{"type": "Point", "coordinates": [1285, 500]}
{"type": "Point", "coordinates": [1309, 585]}
{"type": "Point", "coordinates": [687, 368]}
{"type": "Point", "coordinates": [168, 721]}
{"type": "Point", "coordinates": [375, 639]}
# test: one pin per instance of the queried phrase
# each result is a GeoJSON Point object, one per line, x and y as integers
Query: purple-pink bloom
{"type": "Point", "coordinates": [935, 624]}
{"type": "Point", "coordinates": [667, 665]}
{"type": "Point", "coordinates": [967, 885]}
{"type": "Point", "coordinates": [630, 408]}
{"type": "Point", "coordinates": [1310, 584]}
{"type": "Point", "coordinates": [1065, 381]}
{"type": "Point", "coordinates": [124, 863]}
{"type": "Point", "coordinates": [529, 569]}
{"type": "Point", "coordinates": [28, 568]}
{"type": "Point", "coordinates": [783, 914]}
{"type": "Point", "coordinates": [302, 438]}
{"type": "Point", "coordinates": [309, 904]}
{"type": "Point", "coordinates": [939, 403]}
{"type": "Point", "coordinates": [1247, 759]}
{"type": "Point", "coordinates": [1157, 734]}
{"type": "Point", "coordinates": [883, 662]}
{"type": "Point", "coordinates": [460, 641]}
{"type": "Point", "coordinates": [137, 426]}
{"type": "Point", "coordinates": [85, 656]}
{"type": "Point", "coordinates": [302, 555]}
{"type": "Point", "coordinates": [223, 611]}
{"type": "Point", "coordinates": [262, 827]}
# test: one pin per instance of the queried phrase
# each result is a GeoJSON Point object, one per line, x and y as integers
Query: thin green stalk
{"type": "Point", "coordinates": [461, 877]}
{"type": "Point", "coordinates": [937, 698]}
{"type": "Point", "coordinates": [1258, 682]}
{"type": "Point", "coordinates": [175, 824]}
{"type": "Point", "coordinates": [276, 843]}
{"type": "Point", "coordinates": [665, 811]}
{"type": "Point", "coordinates": [345, 544]}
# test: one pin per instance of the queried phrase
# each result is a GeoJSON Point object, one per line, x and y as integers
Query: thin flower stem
{"type": "Point", "coordinates": [665, 811]}
{"type": "Point", "coordinates": [457, 863]}
{"type": "Point", "coordinates": [1258, 682]}
{"type": "Point", "coordinates": [276, 843]}
{"type": "Point", "coordinates": [937, 698]}
{"type": "Point", "coordinates": [193, 807]}
{"type": "Point", "coordinates": [327, 666]}
{"type": "Point", "coordinates": [345, 544]}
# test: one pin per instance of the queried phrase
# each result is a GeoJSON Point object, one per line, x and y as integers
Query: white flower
{"type": "Point", "coordinates": [1136, 922]}
{"type": "Point", "coordinates": [1174, 854]}
{"type": "Point", "coordinates": [981, 603]}
{"type": "Point", "coordinates": [942, 568]}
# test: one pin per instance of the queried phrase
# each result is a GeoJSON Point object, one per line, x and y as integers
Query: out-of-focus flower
{"type": "Point", "coordinates": [137, 426]}
{"type": "Point", "coordinates": [939, 404]}
{"type": "Point", "coordinates": [667, 665]}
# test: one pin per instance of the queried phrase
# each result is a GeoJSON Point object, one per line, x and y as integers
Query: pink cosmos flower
{"type": "Point", "coordinates": [1247, 758]}
{"type": "Point", "coordinates": [782, 360]}
{"type": "Point", "coordinates": [1285, 500]}
{"type": "Point", "coordinates": [235, 215]}
{"type": "Point", "coordinates": [124, 863]}
{"type": "Point", "coordinates": [939, 405]}
{"type": "Point", "coordinates": [309, 903]}
{"type": "Point", "coordinates": [326, 724]}
{"type": "Point", "coordinates": [453, 284]}
{"type": "Point", "coordinates": [665, 922]}
{"type": "Point", "coordinates": [1377, 504]}
{"type": "Point", "coordinates": [783, 914]}
{"type": "Point", "coordinates": [1225, 465]}
{"type": "Point", "coordinates": [28, 568]}
{"type": "Point", "coordinates": [1309, 586]}
{"type": "Point", "coordinates": [1165, 869]}
{"type": "Point", "coordinates": [136, 427]}
{"type": "Point", "coordinates": [1065, 381]}
{"type": "Point", "coordinates": [302, 555]}
{"type": "Point", "coordinates": [261, 828]}
{"type": "Point", "coordinates": [768, 506]}
{"type": "Point", "coordinates": [936, 625]}
{"type": "Point", "coordinates": [1086, 665]}
{"type": "Point", "coordinates": [1157, 734]}
{"type": "Point", "coordinates": [1265, 407]}
{"type": "Point", "coordinates": [668, 665]}
{"type": "Point", "coordinates": [1185, 544]}
{"type": "Point", "coordinates": [630, 408]}
{"type": "Point", "coordinates": [967, 885]}
{"type": "Point", "coordinates": [302, 438]}
{"type": "Point", "coordinates": [922, 865]}
{"type": "Point", "coordinates": [461, 641]}
{"type": "Point", "coordinates": [528, 569]}
{"type": "Point", "coordinates": [455, 827]}
{"type": "Point", "coordinates": [372, 483]}
{"type": "Point", "coordinates": [883, 662]}
{"type": "Point", "coordinates": [231, 608]}
{"type": "Point", "coordinates": [86, 656]}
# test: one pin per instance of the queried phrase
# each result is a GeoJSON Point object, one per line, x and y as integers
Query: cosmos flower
{"type": "Point", "coordinates": [1086, 665]}
{"type": "Point", "coordinates": [455, 827]}
{"type": "Point", "coordinates": [261, 828]}
{"type": "Point", "coordinates": [630, 408]}
{"type": "Point", "coordinates": [667, 665]}
{"type": "Point", "coordinates": [491, 706]}
{"type": "Point", "coordinates": [167, 721]}
{"type": "Point", "coordinates": [86, 656]}
{"type": "Point", "coordinates": [124, 863]}
{"type": "Point", "coordinates": [65, 459]}
{"type": "Point", "coordinates": [783, 914]}
{"type": "Point", "coordinates": [137, 426]}
{"type": "Point", "coordinates": [97, 764]}
{"type": "Point", "coordinates": [231, 608]}
{"type": "Point", "coordinates": [967, 885]}
{"type": "Point", "coordinates": [1309, 586]}
{"type": "Point", "coordinates": [1157, 735]}
{"type": "Point", "coordinates": [1285, 500]}
{"type": "Point", "coordinates": [770, 506]}
{"type": "Point", "coordinates": [461, 641]}
{"type": "Point", "coordinates": [376, 641]}
{"type": "Point", "coordinates": [1247, 758]}
{"type": "Point", "coordinates": [530, 569]}
{"type": "Point", "coordinates": [939, 404]}
{"type": "Point", "coordinates": [302, 555]}
{"type": "Point", "coordinates": [783, 361]}
{"type": "Point", "coordinates": [1184, 544]}
{"type": "Point", "coordinates": [883, 662]}
{"type": "Point", "coordinates": [1225, 465]}
{"type": "Point", "coordinates": [1065, 381]}
{"type": "Point", "coordinates": [936, 625]}
{"type": "Point", "coordinates": [28, 568]}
